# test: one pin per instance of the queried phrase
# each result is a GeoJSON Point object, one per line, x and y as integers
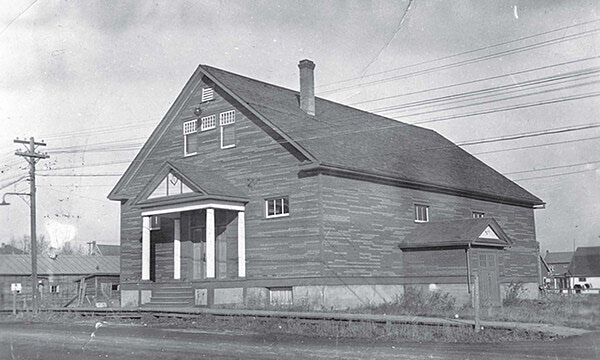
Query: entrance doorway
{"type": "Point", "coordinates": [489, 289]}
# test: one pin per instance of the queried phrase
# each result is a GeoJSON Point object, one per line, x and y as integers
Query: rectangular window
{"type": "Point", "coordinates": [114, 287]}
{"type": "Point", "coordinates": [421, 213]}
{"type": "Point", "coordinates": [227, 122]}
{"type": "Point", "coordinates": [281, 296]}
{"type": "Point", "coordinates": [277, 207]}
{"type": "Point", "coordinates": [477, 214]}
{"type": "Point", "coordinates": [155, 223]}
{"type": "Point", "coordinates": [190, 138]}
{"type": "Point", "coordinates": [207, 94]}
{"type": "Point", "coordinates": [55, 289]}
{"type": "Point", "coordinates": [208, 122]}
{"type": "Point", "coordinates": [582, 279]}
{"type": "Point", "coordinates": [227, 117]}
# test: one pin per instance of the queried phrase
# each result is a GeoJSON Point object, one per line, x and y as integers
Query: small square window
{"type": "Point", "coordinates": [582, 279]}
{"type": "Point", "coordinates": [208, 122]}
{"type": "Point", "coordinates": [477, 214]}
{"type": "Point", "coordinates": [207, 94]}
{"type": "Point", "coordinates": [115, 287]}
{"type": "Point", "coordinates": [190, 138]}
{"type": "Point", "coordinates": [54, 289]}
{"type": "Point", "coordinates": [421, 213]}
{"type": "Point", "coordinates": [155, 223]}
{"type": "Point", "coordinates": [277, 207]}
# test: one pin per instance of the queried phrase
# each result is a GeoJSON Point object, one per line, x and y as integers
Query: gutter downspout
{"type": "Point", "coordinates": [468, 269]}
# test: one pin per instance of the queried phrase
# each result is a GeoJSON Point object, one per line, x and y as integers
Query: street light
{"type": "Point", "coordinates": [34, 274]}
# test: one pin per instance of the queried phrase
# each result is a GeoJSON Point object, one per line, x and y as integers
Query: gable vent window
{"type": "Point", "coordinates": [421, 213]}
{"type": "Point", "coordinates": [227, 122]}
{"type": "Point", "coordinates": [190, 138]}
{"type": "Point", "coordinates": [277, 207]}
{"type": "Point", "coordinates": [478, 214]}
{"type": "Point", "coordinates": [208, 122]}
{"type": "Point", "coordinates": [207, 94]}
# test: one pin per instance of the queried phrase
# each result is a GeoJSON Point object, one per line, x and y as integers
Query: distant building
{"type": "Point", "coordinates": [555, 273]}
{"type": "Point", "coordinates": [584, 270]}
{"type": "Point", "coordinates": [6, 249]}
{"type": "Point", "coordinates": [103, 249]}
{"type": "Point", "coordinates": [251, 192]}
{"type": "Point", "coordinates": [60, 279]}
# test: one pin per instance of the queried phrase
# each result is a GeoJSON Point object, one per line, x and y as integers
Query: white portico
{"type": "Point", "coordinates": [199, 228]}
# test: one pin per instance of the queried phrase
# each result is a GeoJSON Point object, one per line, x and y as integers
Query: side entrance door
{"type": "Point", "coordinates": [489, 288]}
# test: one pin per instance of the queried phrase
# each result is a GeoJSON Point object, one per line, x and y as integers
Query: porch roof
{"type": "Point", "coordinates": [205, 183]}
{"type": "Point", "coordinates": [456, 233]}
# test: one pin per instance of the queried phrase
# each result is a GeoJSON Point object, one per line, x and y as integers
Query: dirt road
{"type": "Point", "coordinates": [20, 340]}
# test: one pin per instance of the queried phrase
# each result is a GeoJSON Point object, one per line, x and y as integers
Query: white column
{"type": "Point", "coordinates": [241, 244]}
{"type": "Point", "coordinates": [177, 249]}
{"type": "Point", "coordinates": [146, 248]}
{"type": "Point", "coordinates": [210, 243]}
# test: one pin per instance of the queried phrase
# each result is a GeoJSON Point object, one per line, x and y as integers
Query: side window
{"type": "Point", "coordinates": [190, 138]}
{"type": "Point", "coordinates": [477, 214]}
{"type": "Point", "coordinates": [208, 123]}
{"type": "Point", "coordinates": [421, 213]}
{"type": "Point", "coordinates": [277, 207]}
{"type": "Point", "coordinates": [227, 122]}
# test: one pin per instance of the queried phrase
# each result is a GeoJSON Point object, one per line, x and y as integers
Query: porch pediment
{"type": "Point", "coordinates": [179, 182]}
{"type": "Point", "coordinates": [479, 232]}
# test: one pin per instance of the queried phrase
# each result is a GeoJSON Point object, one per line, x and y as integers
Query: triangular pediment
{"type": "Point", "coordinates": [170, 185]}
{"type": "Point", "coordinates": [489, 234]}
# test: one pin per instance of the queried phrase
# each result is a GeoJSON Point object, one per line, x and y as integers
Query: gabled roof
{"type": "Point", "coordinates": [347, 139]}
{"type": "Point", "coordinates": [203, 181]}
{"type": "Point", "coordinates": [456, 233]}
{"type": "Point", "coordinates": [563, 257]}
{"type": "Point", "coordinates": [62, 265]}
{"type": "Point", "coordinates": [109, 250]}
{"type": "Point", "coordinates": [585, 261]}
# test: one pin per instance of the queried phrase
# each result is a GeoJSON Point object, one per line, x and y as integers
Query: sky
{"type": "Point", "coordinates": [93, 78]}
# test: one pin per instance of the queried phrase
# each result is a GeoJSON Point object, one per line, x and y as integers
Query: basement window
{"type": "Point", "coordinates": [207, 94]}
{"type": "Point", "coordinates": [421, 213]}
{"type": "Point", "coordinates": [277, 207]}
{"type": "Point", "coordinates": [208, 123]}
{"type": "Point", "coordinates": [281, 296]}
{"type": "Point", "coordinates": [227, 122]}
{"type": "Point", "coordinates": [190, 138]}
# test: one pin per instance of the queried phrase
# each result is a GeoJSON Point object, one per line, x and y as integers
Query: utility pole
{"type": "Point", "coordinates": [32, 157]}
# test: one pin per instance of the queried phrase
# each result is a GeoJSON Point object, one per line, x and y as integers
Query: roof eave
{"type": "Point", "coordinates": [335, 170]}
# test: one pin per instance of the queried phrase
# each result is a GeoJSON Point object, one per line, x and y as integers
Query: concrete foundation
{"type": "Point", "coordinates": [130, 299]}
{"type": "Point", "coordinates": [229, 296]}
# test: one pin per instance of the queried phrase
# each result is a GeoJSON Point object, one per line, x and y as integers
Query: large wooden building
{"type": "Point", "coordinates": [249, 193]}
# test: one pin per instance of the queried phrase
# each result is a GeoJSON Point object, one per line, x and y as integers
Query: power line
{"type": "Point", "coordinates": [554, 175]}
{"type": "Point", "coordinates": [467, 61]}
{"type": "Point", "coordinates": [534, 146]}
{"type": "Point", "coordinates": [18, 16]}
{"type": "Point", "coordinates": [551, 168]}
{"type": "Point", "coordinates": [462, 53]}
{"type": "Point", "coordinates": [511, 74]}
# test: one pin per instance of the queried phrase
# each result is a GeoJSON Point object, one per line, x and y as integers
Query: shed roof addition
{"type": "Point", "coordinates": [483, 232]}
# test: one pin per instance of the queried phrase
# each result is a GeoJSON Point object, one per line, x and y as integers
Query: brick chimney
{"type": "Point", "coordinates": [307, 86]}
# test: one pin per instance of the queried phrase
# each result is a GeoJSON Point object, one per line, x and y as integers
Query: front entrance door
{"type": "Point", "coordinates": [489, 289]}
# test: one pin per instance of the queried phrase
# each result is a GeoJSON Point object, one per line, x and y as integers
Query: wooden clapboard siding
{"type": "Point", "coordinates": [262, 168]}
{"type": "Point", "coordinates": [365, 221]}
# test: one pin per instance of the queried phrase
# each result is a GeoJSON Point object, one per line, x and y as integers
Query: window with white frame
{"type": "Point", "coordinates": [421, 213]}
{"type": "Point", "coordinates": [54, 289]}
{"type": "Point", "coordinates": [190, 138]}
{"type": "Point", "coordinates": [478, 214]}
{"type": "Point", "coordinates": [208, 122]}
{"type": "Point", "coordinates": [207, 94]}
{"type": "Point", "coordinates": [227, 122]}
{"type": "Point", "coordinates": [277, 207]}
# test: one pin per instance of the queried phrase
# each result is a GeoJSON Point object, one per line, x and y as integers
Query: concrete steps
{"type": "Point", "coordinates": [171, 294]}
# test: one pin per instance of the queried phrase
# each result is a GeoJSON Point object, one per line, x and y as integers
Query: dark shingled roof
{"type": "Point", "coordinates": [585, 262]}
{"type": "Point", "coordinates": [454, 233]}
{"type": "Point", "coordinates": [563, 257]}
{"type": "Point", "coordinates": [62, 265]}
{"type": "Point", "coordinates": [210, 181]}
{"type": "Point", "coordinates": [346, 137]}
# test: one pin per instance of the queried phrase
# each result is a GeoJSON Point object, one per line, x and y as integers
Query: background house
{"type": "Point", "coordinates": [556, 275]}
{"type": "Point", "coordinates": [249, 193]}
{"type": "Point", "coordinates": [60, 279]}
{"type": "Point", "coordinates": [584, 270]}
